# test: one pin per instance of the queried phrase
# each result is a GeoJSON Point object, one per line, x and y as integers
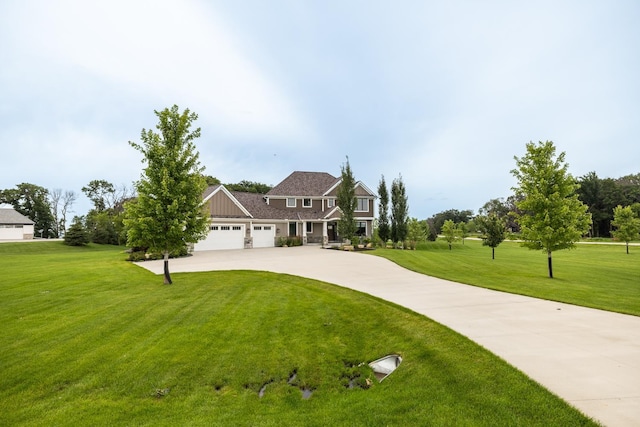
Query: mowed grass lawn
{"type": "Point", "coordinates": [592, 275]}
{"type": "Point", "coordinates": [90, 339]}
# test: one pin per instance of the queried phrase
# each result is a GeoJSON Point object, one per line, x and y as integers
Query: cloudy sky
{"type": "Point", "coordinates": [444, 93]}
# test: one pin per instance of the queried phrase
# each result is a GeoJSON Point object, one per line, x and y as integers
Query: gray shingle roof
{"type": "Point", "coordinates": [256, 205]}
{"type": "Point", "coordinates": [11, 216]}
{"type": "Point", "coordinates": [310, 184]}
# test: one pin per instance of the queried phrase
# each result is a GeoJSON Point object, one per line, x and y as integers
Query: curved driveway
{"type": "Point", "coordinates": [590, 358]}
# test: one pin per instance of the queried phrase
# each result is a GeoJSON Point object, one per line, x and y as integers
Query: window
{"type": "Point", "coordinates": [363, 205]}
{"type": "Point", "coordinates": [361, 228]}
{"type": "Point", "coordinates": [225, 228]}
{"type": "Point", "coordinates": [306, 203]}
{"type": "Point", "coordinates": [309, 227]}
{"type": "Point", "coordinates": [291, 202]}
{"type": "Point", "coordinates": [331, 203]}
{"type": "Point", "coordinates": [214, 227]}
{"type": "Point", "coordinates": [237, 228]}
{"type": "Point", "coordinates": [267, 227]}
{"type": "Point", "coordinates": [257, 228]}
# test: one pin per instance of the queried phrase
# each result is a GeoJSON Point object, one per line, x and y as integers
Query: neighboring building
{"type": "Point", "coordinates": [302, 205]}
{"type": "Point", "coordinates": [14, 225]}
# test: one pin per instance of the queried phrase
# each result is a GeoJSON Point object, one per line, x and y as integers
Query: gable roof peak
{"type": "Point", "coordinates": [302, 183]}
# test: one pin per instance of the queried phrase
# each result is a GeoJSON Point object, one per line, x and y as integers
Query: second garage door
{"type": "Point", "coordinates": [264, 236]}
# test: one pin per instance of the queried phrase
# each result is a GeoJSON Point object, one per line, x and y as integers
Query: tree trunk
{"type": "Point", "coordinates": [449, 246]}
{"type": "Point", "coordinates": [493, 253]}
{"type": "Point", "coordinates": [167, 276]}
{"type": "Point", "coordinates": [627, 248]}
{"type": "Point", "coordinates": [550, 266]}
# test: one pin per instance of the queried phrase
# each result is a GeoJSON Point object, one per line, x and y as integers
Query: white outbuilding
{"type": "Point", "coordinates": [14, 225]}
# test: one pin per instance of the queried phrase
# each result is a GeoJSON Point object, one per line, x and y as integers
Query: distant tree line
{"type": "Point", "coordinates": [244, 185]}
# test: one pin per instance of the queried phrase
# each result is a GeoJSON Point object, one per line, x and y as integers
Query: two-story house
{"type": "Point", "coordinates": [303, 204]}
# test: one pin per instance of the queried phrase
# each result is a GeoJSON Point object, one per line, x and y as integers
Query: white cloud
{"type": "Point", "coordinates": [174, 52]}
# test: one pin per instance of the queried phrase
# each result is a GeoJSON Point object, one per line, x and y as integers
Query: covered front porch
{"type": "Point", "coordinates": [324, 232]}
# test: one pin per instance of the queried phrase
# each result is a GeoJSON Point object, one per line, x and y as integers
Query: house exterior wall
{"type": "Point", "coordinates": [221, 205]}
{"type": "Point", "coordinates": [316, 204]}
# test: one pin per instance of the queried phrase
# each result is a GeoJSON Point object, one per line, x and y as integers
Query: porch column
{"type": "Point", "coordinates": [325, 234]}
{"type": "Point", "coordinates": [304, 232]}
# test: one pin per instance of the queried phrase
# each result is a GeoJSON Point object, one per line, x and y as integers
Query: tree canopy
{"type": "Point", "coordinates": [450, 232]}
{"type": "Point", "coordinates": [493, 231]}
{"type": "Point", "coordinates": [602, 195]}
{"type": "Point", "coordinates": [552, 217]}
{"type": "Point", "coordinates": [627, 224]}
{"type": "Point", "coordinates": [168, 214]}
{"type": "Point", "coordinates": [249, 187]}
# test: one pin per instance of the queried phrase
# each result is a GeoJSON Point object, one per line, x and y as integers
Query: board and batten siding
{"type": "Point", "coordinates": [222, 206]}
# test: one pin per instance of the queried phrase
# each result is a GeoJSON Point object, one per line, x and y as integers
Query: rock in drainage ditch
{"type": "Point", "coordinates": [382, 368]}
{"type": "Point", "coordinates": [306, 392]}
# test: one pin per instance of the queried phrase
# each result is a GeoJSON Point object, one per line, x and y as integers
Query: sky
{"type": "Point", "coordinates": [442, 94]}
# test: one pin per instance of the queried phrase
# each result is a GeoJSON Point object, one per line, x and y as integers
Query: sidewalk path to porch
{"type": "Point", "coordinates": [590, 358]}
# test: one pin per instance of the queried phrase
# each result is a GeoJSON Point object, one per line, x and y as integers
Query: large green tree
{"type": "Point", "coordinates": [347, 202]}
{"type": "Point", "coordinates": [552, 217]}
{"type": "Point", "coordinates": [384, 231]}
{"type": "Point", "coordinates": [168, 213]}
{"type": "Point", "coordinates": [32, 201]}
{"type": "Point", "coordinates": [399, 211]}
{"type": "Point", "coordinates": [493, 229]}
{"type": "Point", "coordinates": [626, 223]}
{"type": "Point", "coordinates": [101, 193]}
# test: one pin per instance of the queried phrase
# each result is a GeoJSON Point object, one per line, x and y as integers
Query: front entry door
{"type": "Point", "coordinates": [331, 232]}
{"type": "Point", "coordinates": [293, 229]}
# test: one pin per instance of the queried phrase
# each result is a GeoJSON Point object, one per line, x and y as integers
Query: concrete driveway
{"type": "Point", "coordinates": [590, 358]}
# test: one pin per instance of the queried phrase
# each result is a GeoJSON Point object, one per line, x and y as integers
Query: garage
{"type": "Point", "coordinates": [14, 226]}
{"type": "Point", "coordinates": [264, 236]}
{"type": "Point", "coordinates": [11, 232]}
{"type": "Point", "coordinates": [222, 236]}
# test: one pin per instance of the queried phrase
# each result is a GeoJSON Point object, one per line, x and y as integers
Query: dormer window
{"type": "Point", "coordinates": [331, 203]}
{"type": "Point", "coordinates": [363, 205]}
{"type": "Point", "coordinates": [291, 202]}
{"type": "Point", "coordinates": [306, 203]}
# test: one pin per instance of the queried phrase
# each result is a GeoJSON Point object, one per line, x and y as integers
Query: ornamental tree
{"type": "Point", "coordinates": [493, 229]}
{"type": "Point", "coordinates": [399, 211]}
{"type": "Point", "coordinates": [384, 231]}
{"type": "Point", "coordinates": [168, 213]}
{"type": "Point", "coordinates": [551, 216]}
{"type": "Point", "coordinates": [347, 202]}
{"type": "Point", "coordinates": [627, 224]}
{"type": "Point", "coordinates": [450, 232]}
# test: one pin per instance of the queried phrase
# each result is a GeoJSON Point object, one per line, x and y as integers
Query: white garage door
{"type": "Point", "coordinates": [222, 236]}
{"type": "Point", "coordinates": [264, 236]}
{"type": "Point", "coordinates": [10, 232]}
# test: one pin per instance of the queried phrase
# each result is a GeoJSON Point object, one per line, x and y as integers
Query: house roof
{"type": "Point", "coordinates": [259, 209]}
{"type": "Point", "coordinates": [11, 216]}
{"type": "Point", "coordinates": [309, 184]}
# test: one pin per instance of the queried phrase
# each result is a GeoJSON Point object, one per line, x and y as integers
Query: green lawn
{"type": "Point", "coordinates": [598, 276]}
{"type": "Point", "coordinates": [89, 339]}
